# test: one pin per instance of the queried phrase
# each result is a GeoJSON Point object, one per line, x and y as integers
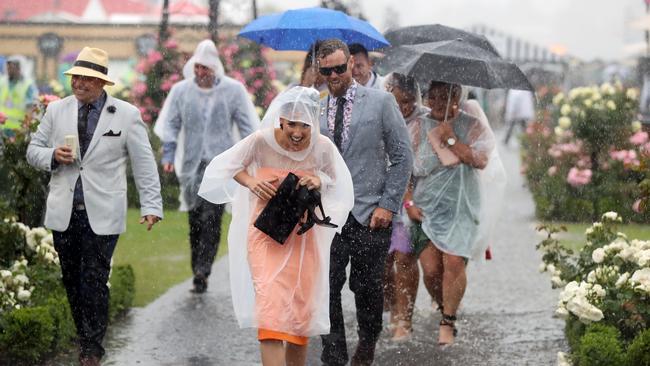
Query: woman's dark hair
{"type": "Point", "coordinates": [456, 89]}
{"type": "Point", "coordinates": [404, 83]}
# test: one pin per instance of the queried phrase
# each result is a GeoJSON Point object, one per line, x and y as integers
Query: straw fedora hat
{"type": "Point", "coordinates": [91, 62]}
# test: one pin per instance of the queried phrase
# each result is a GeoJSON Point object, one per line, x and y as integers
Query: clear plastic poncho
{"type": "Point", "coordinates": [460, 203]}
{"type": "Point", "coordinates": [277, 287]}
{"type": "Point", "coordinates": [206, 54]}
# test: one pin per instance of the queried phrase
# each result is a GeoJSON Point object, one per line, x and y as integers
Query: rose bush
{"type": "Point", "coordinates": [606, 282]}
{"type": "Point", "coordinates": [589, 160]}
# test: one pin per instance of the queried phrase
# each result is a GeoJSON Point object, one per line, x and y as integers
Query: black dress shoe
{"type": "Point", "coordinates": [200, 284]}
{"type": "Point", "coordinates": [364, 355]}
{"type": "Point", "coordinates": [89, 360]}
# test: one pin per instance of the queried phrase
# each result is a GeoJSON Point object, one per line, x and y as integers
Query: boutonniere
{"type": "Point", "coordinates": [111, 109]}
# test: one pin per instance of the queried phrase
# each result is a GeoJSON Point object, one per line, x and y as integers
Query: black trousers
{"type": "Point", "coordinates": [85, 264]}
{"type": "Point", "coordinates": [205, 233]}
{"type": "Point", "coordinates": [366, 251]}
{"type": "Point", "coordinates": [511, 127]}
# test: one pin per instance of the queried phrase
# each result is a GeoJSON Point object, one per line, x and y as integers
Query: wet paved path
{"type": "Point", "coordinates": [505, 319]}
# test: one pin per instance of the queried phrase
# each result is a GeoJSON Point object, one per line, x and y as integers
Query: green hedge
{"type": "Point", "coordinates": [32, 334]}
{"type": "Point", "coordinates": [638, 353]}
{"type": "Point", "coordinates": [602, 345]}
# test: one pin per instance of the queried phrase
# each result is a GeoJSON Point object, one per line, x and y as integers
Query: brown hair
{"type": "Point", "coordinates": [330, 46]}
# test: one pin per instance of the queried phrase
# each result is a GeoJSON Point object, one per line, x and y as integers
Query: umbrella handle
{"type": "Point", "coordinates": [448, 102]}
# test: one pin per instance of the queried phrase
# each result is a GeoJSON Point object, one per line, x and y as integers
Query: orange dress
{"type": "Point", "coordinates": [284, 276]}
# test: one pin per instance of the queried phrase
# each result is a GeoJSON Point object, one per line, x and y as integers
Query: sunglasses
{"type": "Point", "coordinates": [339, 69]}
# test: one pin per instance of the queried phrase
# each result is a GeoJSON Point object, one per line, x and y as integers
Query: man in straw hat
{"type": "Point", "coordinates": [85, 140]}
{"type": "Point", "coordinates": [196, 124]}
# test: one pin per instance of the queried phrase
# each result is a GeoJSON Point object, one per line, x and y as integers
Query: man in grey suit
{"type": "Point", "coordinates": [367, 127]}
{"type": "Point", "coordinates": [86, 204]}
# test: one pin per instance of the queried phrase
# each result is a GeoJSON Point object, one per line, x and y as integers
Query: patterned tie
{"type": "Point", "coordinates": [338, 123]}
{"type": "Point", "coordinates": [82, 127]}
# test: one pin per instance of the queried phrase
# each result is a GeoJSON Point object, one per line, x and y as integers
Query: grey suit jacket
{"type": "Point", "coordinates": [377, 153]}
{"type": "Point", "coordinates": [102, 169]}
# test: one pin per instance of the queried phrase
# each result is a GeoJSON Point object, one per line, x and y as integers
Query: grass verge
{"type": "Point", "coordinates": [161, 257]}
{"type": "Point", "coordinates": [574, 238]}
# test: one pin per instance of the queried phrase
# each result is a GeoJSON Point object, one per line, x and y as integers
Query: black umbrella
{"type": "Point", "coordinates": [435, 33]}
{"type": "Point", "coordinates": [456, 61]}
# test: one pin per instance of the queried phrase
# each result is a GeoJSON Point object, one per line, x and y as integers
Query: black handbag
{"type": "Point", "coordinates": [285, 210]}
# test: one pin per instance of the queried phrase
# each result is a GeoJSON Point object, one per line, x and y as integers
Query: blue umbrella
{"type": "Point", "coordinates": [298, 29]}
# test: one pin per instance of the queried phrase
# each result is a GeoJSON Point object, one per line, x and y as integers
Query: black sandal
{"type": "Point", "coordinates": [449, 321]}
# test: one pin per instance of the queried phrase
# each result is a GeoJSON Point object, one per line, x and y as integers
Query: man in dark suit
{"type": "Point", "coordinates": [369, 130]}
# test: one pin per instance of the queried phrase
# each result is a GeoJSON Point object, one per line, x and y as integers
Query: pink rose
{"type": "Point", "coordinates": [3, 118]}
{"type": "Point", "coordinates": [636, 206]}
{"type": "Point", "coordinates": [552, 170]}
{"type": "Point", "coordinates": [171, 44]}
{"type": "Point", "coordinates": [639, 138]}
{"type": "Point", "coordinates": [578, 177]}
{"type": "Point", "coordinates": [153, 57]}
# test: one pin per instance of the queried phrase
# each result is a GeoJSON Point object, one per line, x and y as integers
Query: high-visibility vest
{"type": "Point", "coordinates": [13, 100]}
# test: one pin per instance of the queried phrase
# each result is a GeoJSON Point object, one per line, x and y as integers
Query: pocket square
{"type": "Point", "coordinates": [110, 133]}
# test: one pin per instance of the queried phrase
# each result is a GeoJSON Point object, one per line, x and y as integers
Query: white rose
{"type": "Point", "coordinates": [49, 257]}
{"type": "Point", "coordinates": [542, 267]}
{"type": "Point", "coordinates": [558, 131]}
{"type": "Point", "coordinates": [589, 231]}
{"type": "Point", "coordinates": [21, 279]}
{"type": "Point", "coordinates": [564, 122]}
{"type": "Point", "coordinates": [627, 254]}
{"type": "Point", "coordinates": [557, 281]}
{"type": "Point", "coordinates": [563, 359]}
{"type": "Point", "coordinates": [641, 276]}
{"type": "Point", "coordinates": [610, 215]}
{"type": "Point", "coordinates": [585, 311]}
{"type": "Point", "coordinates": [611, 105]}
{"type": "Point", "coordinates": [558, 98]}
{"type": "Point", "coordinates": [599, 290]}
{"type": "Point", "coordinates": [561, 312]}
{"type": "Point", "coordinates": [588, 103]}
{"type": "Point", "coordinates": [31, 242]}
{"type": "Point", "coordinates": [23, 295]}
{"type": "Point", "coordinates": [569, 291]}
{"type": "Point", "coordinates": [565, 110]}
{"type": "Point", "coordinates": [551, 268]}
{"type": "Point", "coordinates": [632, 93]}
{"type": "Point", "coordinates": [597, 224]}
{"type": "Point", "coordinates": [5, 274]}
{"type": "Point", "coordinates": [636, 126]}
{"type": "Point", "coordinates": [591, 277]}
{"type": "Point", "coordinates": [598, 255]}
{"type": "Point", "coordinates": [622, 279]}
{"type": "Point", "coordinates": [642, 257]}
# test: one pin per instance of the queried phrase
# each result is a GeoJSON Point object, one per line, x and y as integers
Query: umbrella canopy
{"type": "Point", "coordinates": [435, 33]}
{"type": "Point", "coordinates": [456, 61]}
{"type": "Point", "coordinates": [298, 29]}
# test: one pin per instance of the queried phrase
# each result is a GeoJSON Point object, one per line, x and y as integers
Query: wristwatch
{"type": "Point", "coordinates": [451, 141]}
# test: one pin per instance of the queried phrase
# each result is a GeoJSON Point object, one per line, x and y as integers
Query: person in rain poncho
{"type": "Point", "coordinates": [458, 182]}
{"type": "Point", "coordinates": [520, 110]}
{"type": "Point", "coordinates": [17, 94]}
{"type": "Point", "coordinates": [281, 289]}
{"type": "Point", "coordinates": [402, 273]}
{"type": "Point", "coordinates": [196, 124]}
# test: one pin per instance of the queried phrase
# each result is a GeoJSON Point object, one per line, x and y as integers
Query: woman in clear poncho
{"type": "Point", "coordinates": [458, 182]}
{"type": "Point", "coordinates": [281, 289]}
{"type": "Point", "coordinates": [402, 275]}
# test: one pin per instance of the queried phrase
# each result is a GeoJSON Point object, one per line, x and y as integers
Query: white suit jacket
{"type": "Point", "coordinates": [118, 135]}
